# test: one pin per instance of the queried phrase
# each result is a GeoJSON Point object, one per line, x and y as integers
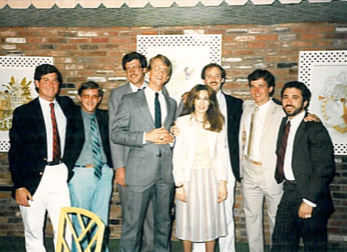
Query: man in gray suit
{"type": "Point", "coordinates": [135, 66]}
{"type": "Point", "coordinates": [142, 123]}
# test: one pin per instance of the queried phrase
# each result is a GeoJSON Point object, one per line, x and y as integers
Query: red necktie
{"type": "Point", "coordinates": [279, 175]}
{"type": "Point", "coordinates": [56, 138]}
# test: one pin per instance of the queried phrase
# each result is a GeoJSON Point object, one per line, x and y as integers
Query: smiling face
{"type": "Point", "coordinates": [89, 100]}
{"type": "Point", "coordinates": [48, 86]}
{"type": "Point", "coordinates": [260, 91]}
{"type": "Point", "coordinates": [213, 78]}
{"type": "Point", "coordinates": [292, 102]}
{"type": "Point", "coordinates": [201, 103]}
{"type": "Point", "coordinates": [158, 75]}
{"type": "Point", "coordinates": [134, 72]}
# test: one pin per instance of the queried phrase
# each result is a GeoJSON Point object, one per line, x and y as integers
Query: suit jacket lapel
{"type": "Point", "coordinates": [268, 119]}
{"type": "Point", "coordinates": [169, 113]}
{"type": "Point", "coordinates": [143, 106]}
{"type": "Point", "coordinates": [40, 123]}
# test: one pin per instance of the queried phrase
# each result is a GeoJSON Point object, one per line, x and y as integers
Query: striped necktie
{"type": "Point", "coordinates": [56, 138]}
{"type": "Point", "coordinates": [96, 147]}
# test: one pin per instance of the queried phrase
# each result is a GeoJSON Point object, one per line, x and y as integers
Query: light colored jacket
{"type": "Point", "coordinates": [184, 151]}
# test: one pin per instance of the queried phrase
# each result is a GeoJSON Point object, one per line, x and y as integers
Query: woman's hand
{"type": "Point", "coordinates": [222, 191]}
{"type": "Point", "coordinates": [181, 194]}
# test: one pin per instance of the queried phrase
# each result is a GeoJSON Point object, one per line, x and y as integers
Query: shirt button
{"type": "Point", "coordinates": [41, 173]}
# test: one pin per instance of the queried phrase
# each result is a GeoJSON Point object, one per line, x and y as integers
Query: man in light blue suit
{"type": "Point", "coordinates": [142, 123]}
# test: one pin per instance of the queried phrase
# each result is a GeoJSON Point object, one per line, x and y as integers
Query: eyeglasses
{"type": "Point", "coordinates": [133, 68]}
{"type": "Point", "coordinates": [164, 70]}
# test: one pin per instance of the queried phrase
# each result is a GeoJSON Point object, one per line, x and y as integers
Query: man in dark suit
{"type": "Point", "coordinates": [231, 107]}
{"type": "Point", "coordinates": [142, 123]}
{"type": "Point", "coordinates": [305, 161]}
{"type": "Point", "coordinates": [44, 149]}
{"type": "Point", "coordinates": [91, 185]}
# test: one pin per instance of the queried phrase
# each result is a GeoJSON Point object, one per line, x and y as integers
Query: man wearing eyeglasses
{"type": "Point", "coordinates": [135, 66]}
{"type": "Point", "coordinates": [142, 123]}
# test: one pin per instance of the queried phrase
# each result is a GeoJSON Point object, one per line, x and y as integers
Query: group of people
{"type": "Point", "coordinates": [186, 157]}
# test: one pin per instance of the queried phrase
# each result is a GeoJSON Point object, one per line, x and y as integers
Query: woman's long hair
{"type": "Point", "coordinates": [213, 120]}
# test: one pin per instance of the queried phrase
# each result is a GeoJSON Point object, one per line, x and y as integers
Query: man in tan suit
{"type": "Point", "coordinates": [260, 123]}
{"type": "Point", "coordinates": [258, 158]}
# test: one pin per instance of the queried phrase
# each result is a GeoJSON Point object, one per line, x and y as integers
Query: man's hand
{"type": "Point", "coordinates": [222, 191]}
{"type": "Point", "coordinates": [120, 176]}
{"type": "Point", "coordinates": [181, 194]}
{"type": "Point", "coordinates": [175, 130]}
{"type": "Point", "coordinates": [305, 211]}
{"type": "Point", "coordinates": [22, 196]}
{"type": "Point", "coordinates": [159, 136]}
{"type": "Point", "coordinates": [311, 117]}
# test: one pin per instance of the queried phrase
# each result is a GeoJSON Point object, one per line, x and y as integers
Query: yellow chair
{"type": "Point", "coordinates": [91, 225]}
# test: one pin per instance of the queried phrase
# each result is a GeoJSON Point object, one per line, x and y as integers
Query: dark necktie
{"type": "Point", "coordinates": [279, 175]}
{"type": "Point", "coordinates": [56, 138]}
{"type": "Point", "coordinates": [96, 147]}
{"type": "Point", "coordinates": [157, 117]}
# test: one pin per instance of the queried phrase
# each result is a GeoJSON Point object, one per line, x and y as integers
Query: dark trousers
{"type": "Point", "coordinates": [289, 227]}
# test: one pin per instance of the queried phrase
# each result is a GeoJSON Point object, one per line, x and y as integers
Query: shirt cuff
{"type": "Point", "coordinates": [309, 203]}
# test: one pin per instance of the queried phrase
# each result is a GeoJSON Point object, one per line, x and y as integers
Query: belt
{"type": "Point", "coordinates": [54, 162]}
{"type": "Point", "coordinates": [252, 161]}
{"type": "Point", "coordinates": [85, 166]}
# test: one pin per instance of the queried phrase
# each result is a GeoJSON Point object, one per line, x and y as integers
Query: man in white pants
{"type": "Point", "coordinates": [214, 76]}
{"type": "Point", "coordinates": [44, 149]}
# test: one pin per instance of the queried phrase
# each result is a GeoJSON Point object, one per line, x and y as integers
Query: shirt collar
{"type": "Point", "coordinates": [135, 88]}
{"type": "Point", "coordinates": [45, 102]}
{"type": "Point", "coordinates": [298, 118]}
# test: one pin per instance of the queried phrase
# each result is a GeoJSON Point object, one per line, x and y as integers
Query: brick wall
{"type": "Point", "coordinates": [96, 53]}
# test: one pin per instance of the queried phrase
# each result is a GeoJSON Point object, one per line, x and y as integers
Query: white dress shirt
{"type": "Point", "coordinates": [61, 121]}
{"type": "Point", "coordinates": [135, 88]}
{"type": "Point", "coordinates": [258, 125]}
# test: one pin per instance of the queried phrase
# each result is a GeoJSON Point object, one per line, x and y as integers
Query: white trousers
{"type": "Point", "coordinates": [227, 243]}
{"type": "Point", "coordinates": [52, 194]}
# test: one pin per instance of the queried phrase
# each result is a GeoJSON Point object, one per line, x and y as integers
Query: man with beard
{"type": "Point", "coordinates": [305, 161]}
{"type": "Point", "coordinates": [260, 122]}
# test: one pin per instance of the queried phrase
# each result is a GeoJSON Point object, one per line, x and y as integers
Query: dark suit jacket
{"type": "Point", "coordinates": [312, 163]}
{"type": "Point", "coordinates": [234, 110]}
{"type": "Point", "coordinates": [102, 118]}
{"type": "Point", "coordinates": [28, 151]}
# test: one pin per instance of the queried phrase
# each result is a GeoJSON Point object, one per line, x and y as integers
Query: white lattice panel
{"type": "Point", "coordinates": [15, 68]}
{"type": "Point", "coordinates": [188, 54]}
{"type": "Point", "coordinates": [325, 73]}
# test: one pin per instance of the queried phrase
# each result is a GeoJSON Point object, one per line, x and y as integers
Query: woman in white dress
{"type": "Point", "coordinates": [200, 170]}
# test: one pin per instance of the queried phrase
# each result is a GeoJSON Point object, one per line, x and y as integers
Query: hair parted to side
{"type": "Point", "coordinates": [90, 85]}
{"type": "Point", "coordinates": [263, 74]}
{"type": "Point", "coordinates": [214, 120]}
{"type": "Point", "coordinates": [165, 60]}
